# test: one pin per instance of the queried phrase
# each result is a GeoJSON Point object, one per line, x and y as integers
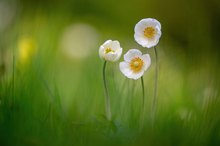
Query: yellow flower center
{"type": "Point", "coordinates": [149, 32]}
{"type": "Point", "coordinates": [108, 50]}
{"type": "Point", "coordinates": [136, 64]}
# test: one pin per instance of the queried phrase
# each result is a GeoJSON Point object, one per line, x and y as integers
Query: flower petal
{"type": "Point", "coordinates": [125, 68]}
{"type": "Point", "coordinates": [152, 43]}
{"type": "Point", "coordinates": [115, 45]}
{"type": "Point", "coordinates": [106, 43]}
{"type": "Point", "coordinates": [139, 28]}
{"type": "Point", "coordinates": [136, 76]}
{"type": "Point", "coordinates": [150, 22]}
{"type": "Point", "coordinates": [131, 54]}
{"type": "Point", "coordinates": [101, 52]}
{"type": "Point", "coordinates": [110, 56]}
{"type": "Point", "coordinates": [118, 52]}
{"type": "Point", "coordinates": [141, 40]}
{"type": "Point", "coordinates": [147, 61]}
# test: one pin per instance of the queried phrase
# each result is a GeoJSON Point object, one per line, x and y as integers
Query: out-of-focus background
{"type": "Point", "coordinates": [51, 88]}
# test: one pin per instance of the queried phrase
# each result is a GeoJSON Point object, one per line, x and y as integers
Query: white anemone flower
{"type": "Point", "coordinates": [135, 64]}
{"type": "Point", "coordinates": [147, 32]}
{"type": "Point", "coordinates": [110, 51]}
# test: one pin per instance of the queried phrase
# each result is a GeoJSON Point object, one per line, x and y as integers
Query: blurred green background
{"type": "Point", "coordinates": [51, 88]}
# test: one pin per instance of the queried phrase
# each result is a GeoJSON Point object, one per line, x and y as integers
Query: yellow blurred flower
{"type": "Point", "coordinates": [27, 48]}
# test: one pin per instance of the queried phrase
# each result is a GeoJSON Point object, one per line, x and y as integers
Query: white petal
{"type": "Point", "coordinates": [131, 54]}
{"type": "Point", "coordinates": [158, 34]}
{"type": "Point", "coordinates": [102, 48]}
{"type": "Point", "coordinates": [143, 41]}
{"type": "Point", "coordinates": [147, 61]}
{"type": "Point", "coordinates": [106, 43]}
{"type": "Point", "coordinates": [156, 23]}
{"type": "Point", "coordinates": [101, 52]}
{"type": "Point", "coordinates": [115, 45]}
{"type": "Point", "coordinates": [151, 22]}
{"type": "Point", "coordinates": [136, 76]}
{"type": "Point", "coordinates": [125, 68]}
{"type": "Point", "coordinates": [110, 56]}
{"type": "Point", "coordinates": [152, 43]}
{"type": "Point", "coordinates": [139, 28]}
{"type": "Point", "coordinates": [118, 52]}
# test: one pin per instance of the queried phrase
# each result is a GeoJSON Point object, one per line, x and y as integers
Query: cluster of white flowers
{"type": "Point", "coordinates": [147, 33]}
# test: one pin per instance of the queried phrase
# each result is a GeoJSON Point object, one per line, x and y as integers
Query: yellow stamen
{"type": "Point", "coordinates": [149, 32]}
{"type": "Point", "coordinates": [108, 50]}
{"type": "Point", "coordinates": [136, 64]}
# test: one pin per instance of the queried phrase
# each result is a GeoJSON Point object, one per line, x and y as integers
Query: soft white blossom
{"type": "Point", "coordinates": [147, 32]}
{"type": "Point", "coordinates": [135, 64]}
{"type": "Point", "coordinates": [110, 51]}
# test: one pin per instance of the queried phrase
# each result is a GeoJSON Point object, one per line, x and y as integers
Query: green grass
{"type": "Point", "coordinates": [63, 104]}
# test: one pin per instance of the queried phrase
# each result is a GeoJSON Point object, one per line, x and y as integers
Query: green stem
{"type": "Point", "coordinates": [107, 99]}
{"type": "Point", "coordinates": [143, 103]}
{"type": "Point", "coordinates": [155, 83]}
{"type": "Point", "coordinates": [13, 79]}
{"type": "Point", "coordinates": [143, 93]}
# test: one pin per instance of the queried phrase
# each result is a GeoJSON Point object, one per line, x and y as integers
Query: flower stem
{"type": "Point", "coordinates": [155, 84]}
{"type": "Point", "coordinates": [143, 103]}
{"type": "Point", "coordinates": [13, 79]}
{"type": "Point", "coordinates": [107, 99]}
{"type": "Point", "coordinates": [143, 93]}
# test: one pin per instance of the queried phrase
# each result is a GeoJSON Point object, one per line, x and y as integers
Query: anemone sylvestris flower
{"type": "Point", "coordinates": [135, 64]}
{"type": "Point", "coordinates": [110, 51]}
{"type": "Point", "coordinates": [147, 32]}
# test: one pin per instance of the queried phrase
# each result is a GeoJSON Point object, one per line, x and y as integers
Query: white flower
{"type": "Point", "coordinates": [110, 51]}
{"type": "Point", "coordinates": [135, 64]}
{"type": "Point", "coordinates": [147, 32]}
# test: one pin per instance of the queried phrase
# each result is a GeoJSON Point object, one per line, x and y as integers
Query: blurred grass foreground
{"type": "Point", "coordinates": [51, 88]}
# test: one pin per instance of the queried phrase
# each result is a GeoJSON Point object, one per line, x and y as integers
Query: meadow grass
{"type": "Point", "coordinates": [36, 110]}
